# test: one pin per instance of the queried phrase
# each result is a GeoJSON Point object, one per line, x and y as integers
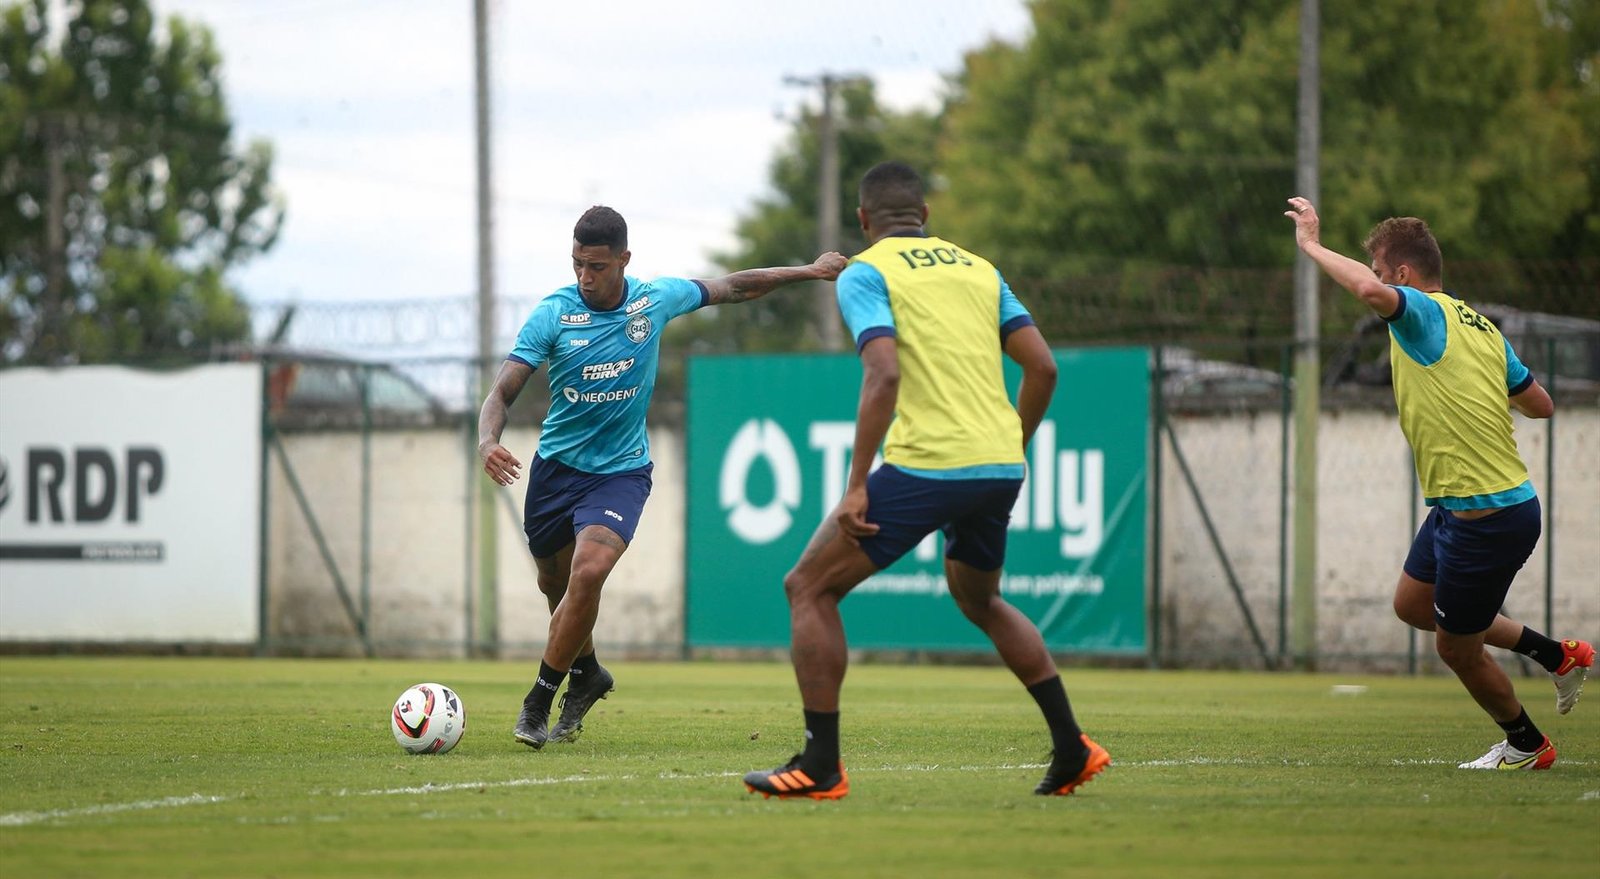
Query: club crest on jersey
{"type": "Point", "coordinates": [638, 328]}
{"type": "Point", "coordinates": [576, 320]}
{"type": "Point", "coordinates": [638, 304]}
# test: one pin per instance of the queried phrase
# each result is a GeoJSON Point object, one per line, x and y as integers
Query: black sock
{"type": "Point", "coordinates": [585, 664]}
{"type": "Point", "coordinates": [1522, 734]}
{"type": "Point", "coordinates": [821, 757]}
{"type": "Point", "coordinates": [1065, 736]}
{"type": "Point", "coordinates": [1539, 648]}
{"type": "Point", "coordinates": [544, 689]}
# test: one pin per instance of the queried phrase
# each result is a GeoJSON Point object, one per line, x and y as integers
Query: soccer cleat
{"type": "Point", "coordinates": [1066, 775]}
{"type": "Point", "coordinates": [531, 724]}
{"type": "Point", "coordinates": [789, 781]}
{"type": "Point", "coordinates": [1576, 657]}
{"type": "Point", "coordinates": [1505, 757]}
{"type": "Point", "coordinates": [582, 692]}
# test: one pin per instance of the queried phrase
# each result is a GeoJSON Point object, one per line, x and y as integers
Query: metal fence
{"type": "Point", "coordinates": [377, 532]}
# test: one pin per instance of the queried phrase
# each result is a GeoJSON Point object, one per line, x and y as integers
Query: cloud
{"type": "Point", "coordinates": [666, 110]}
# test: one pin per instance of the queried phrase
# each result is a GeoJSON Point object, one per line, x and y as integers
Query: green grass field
{"type": "Point", "coordinates": [131, 767]}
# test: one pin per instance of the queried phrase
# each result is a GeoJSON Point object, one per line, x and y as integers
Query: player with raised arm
{"type": "Point", "coordinates": [931, 322]}
{"type": "Point", "coordinates": [599, 340]}
{"type": "Point", "coordinates": [1456, 379]}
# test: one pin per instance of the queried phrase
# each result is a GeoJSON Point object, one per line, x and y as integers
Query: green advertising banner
{"type": "Point", "coordinates": [769, 441]}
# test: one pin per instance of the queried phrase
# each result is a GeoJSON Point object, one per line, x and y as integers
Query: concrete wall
{"type": "Point", "coordinates": [421, 540]}
{"type": "Point", "coordinates": [1365, 514]}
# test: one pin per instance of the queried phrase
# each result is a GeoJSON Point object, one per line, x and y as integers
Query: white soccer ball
{"type": "Point", "coordinates": [428, 719]}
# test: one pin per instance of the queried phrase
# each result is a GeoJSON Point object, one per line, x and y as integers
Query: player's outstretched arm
{"type": "Point", "coordinates": [1346, 272]}
{"type": "Point", "coordinates": [755, 283]}
{"type": "Point", "coordinates": [498, 462]}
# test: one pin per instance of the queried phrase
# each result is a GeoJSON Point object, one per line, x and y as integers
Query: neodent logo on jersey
{"type": "Point", "coordinates": [574, 395]}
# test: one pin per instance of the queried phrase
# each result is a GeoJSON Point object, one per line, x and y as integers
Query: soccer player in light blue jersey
{"type": "Point", "coordinates": [599, 340]}
{"type": "Point", "coordinates": [1456, 379]}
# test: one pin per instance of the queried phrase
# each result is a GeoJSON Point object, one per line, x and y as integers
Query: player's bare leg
{"type": "Point", "coordinates": [1075, 758]}
{"type": "Point", "coordinates": [595, 553]}
{"type": "Point", "coordinates": [589, 561]}
{"type": "Point", "coordinates": [1524, 747]}
{"type": "Point", "coordinates": [553, 574]}
{"type": "Point", "coordinates": [829, 568]}
{"type": "Point", "coordinates": [1021, 647]}
{"type": "Point", "coordinates": [1567, 661]}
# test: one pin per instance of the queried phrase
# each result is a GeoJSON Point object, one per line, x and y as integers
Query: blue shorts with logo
{"type": "Point", "coordinates": [562, 501]}
{"type": "Point", "coordinates": [1471, 562]}
{"type": "Point", "coordinates": [972, 513]}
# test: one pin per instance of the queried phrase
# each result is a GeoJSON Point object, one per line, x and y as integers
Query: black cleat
{"type": "Point", "coordinates": [789, 781]}
{"type": "Point", "coordinates": [582, 692]}
{"type": "Point", "coordinates": [1068, 773]}
{"type": "Point", "coordinates": [531, 724]}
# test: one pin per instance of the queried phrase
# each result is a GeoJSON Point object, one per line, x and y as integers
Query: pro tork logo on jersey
{"type": "Point", "coordinates": [598, 371]}
{"type": "Point", "coordinates": [638, 328]}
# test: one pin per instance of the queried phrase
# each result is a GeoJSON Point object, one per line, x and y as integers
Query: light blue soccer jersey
{"type": "Point", "coordinates": [602, 369]}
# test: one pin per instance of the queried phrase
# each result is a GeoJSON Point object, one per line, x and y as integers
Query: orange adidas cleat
{"type": "Point", "coordinates": [789, 781]}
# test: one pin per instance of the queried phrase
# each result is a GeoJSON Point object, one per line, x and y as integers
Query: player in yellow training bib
{"type": "Point", "coordinates": [1455, 381]}
{"type": "Point", "coordinates": [931, 322]}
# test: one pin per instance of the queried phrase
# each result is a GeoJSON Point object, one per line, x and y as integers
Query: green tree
{"type": "Point", "coordinates": [123, 200]}
{"type": "Point", "coordinates": [781, 228]}
{"type": "Point", "coordinates": [1134, 157]}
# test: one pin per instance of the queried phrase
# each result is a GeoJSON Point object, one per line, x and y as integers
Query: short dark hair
{"type": "Point", "coordinates": [891, 187]}
{"type": "Point", "coordinates": [1408, 241]}
{"type": "Point", "coordinates": [601, 225]}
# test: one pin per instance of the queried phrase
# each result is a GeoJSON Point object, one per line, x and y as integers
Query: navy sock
{"type": "Point", "coordinates": [544, 688]}
{"type": "Point", "coordinates": [1065, 736]}
{"type": "Point", "coordinates": [821, 757]}
{"type": "Point", "coordinates": [1541, 649]}
{"type": "Point", "coordinates": [1522, 734]}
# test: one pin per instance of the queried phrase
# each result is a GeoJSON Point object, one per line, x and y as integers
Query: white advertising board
{"type": "Point", "coordinates": [130, 504]}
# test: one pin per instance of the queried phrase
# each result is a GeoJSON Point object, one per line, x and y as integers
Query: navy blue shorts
{"type": "Point", "coordinates": [972, 513]}
{"type": "Point", "coordinates": [1471, 562]}
{"type": "Point", "coordinates": [562, 501]}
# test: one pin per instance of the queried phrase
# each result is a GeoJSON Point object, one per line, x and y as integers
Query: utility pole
{"type": "Point", "coordinates": [830, 333]}
{"type": "Point", "coordinates": [51, 342]}
{"type": "Point", "coordinates": [1307, 357]}
{"type": "Point", "coordinates": [486, 624]}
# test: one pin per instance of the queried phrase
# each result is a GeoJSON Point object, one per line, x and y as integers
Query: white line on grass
{"type": "Point", "coordinates": [20, 819]}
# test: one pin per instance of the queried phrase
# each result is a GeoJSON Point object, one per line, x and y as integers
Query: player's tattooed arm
{"type": "Point", "coordinates": [755, 283]}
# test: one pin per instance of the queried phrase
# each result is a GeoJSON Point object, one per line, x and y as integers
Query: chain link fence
{"type": "Point", "coordinates": [406, 547]}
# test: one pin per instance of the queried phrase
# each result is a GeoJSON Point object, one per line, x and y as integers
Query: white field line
{"type": "Point", "coordinates": [21, 819]}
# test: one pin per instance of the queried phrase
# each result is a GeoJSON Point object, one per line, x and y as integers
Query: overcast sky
{"type": "Point", "coordinates": [668, 111]}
